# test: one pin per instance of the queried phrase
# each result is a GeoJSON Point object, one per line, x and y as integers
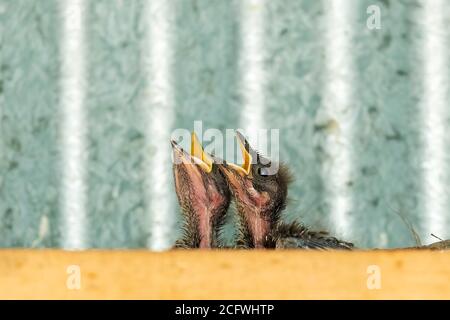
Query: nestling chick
{"type": "Point", "coordinates": [260, 190]}
{"type": "Point", "coordinates": [203, 196]}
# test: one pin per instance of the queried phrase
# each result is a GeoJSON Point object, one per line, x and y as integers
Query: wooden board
{"type": "Point", "coordinates": [54, 274]}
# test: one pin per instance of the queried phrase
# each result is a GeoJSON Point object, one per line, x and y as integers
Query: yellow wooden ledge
{"type": "Point", "coordinates": [49, 274]}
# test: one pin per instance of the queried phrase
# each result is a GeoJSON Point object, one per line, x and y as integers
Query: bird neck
{"type": "Point", "coordinates": [201, 230]}
{"type": "Point", "coordinates": [205, 229]}
{"type": "Point", "coordinates": [257, 227]}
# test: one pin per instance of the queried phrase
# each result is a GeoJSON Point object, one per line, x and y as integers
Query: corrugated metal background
{"type": "Point", "coordinates": [376, 79]}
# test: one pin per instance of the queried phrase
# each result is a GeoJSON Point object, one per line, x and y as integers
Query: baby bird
{"type": "Point", "coordinates": [203, 195]}
{"type": "Point", "coordinates": [260, 190]}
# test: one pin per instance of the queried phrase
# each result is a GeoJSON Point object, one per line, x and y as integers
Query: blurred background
{"type": "Point", "coordinates": [90, 92]}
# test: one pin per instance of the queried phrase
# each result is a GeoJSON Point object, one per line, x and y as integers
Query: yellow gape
{"type": "Point", "coordinates": [246, 156]}
{"type": "Point", "coordinates": [199, 156]}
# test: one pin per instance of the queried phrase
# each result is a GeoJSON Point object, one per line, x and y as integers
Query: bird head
{"type": "Point", "coordinates": [202, 193]}
{"type": "Point", "coordinates": [260, 189]}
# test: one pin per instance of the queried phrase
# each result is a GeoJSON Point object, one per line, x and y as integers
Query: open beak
{"type": "Point", "coordinates": [245, 168]}
{"type": "Point", "coordinates": [179, 154]}
{"type": "Point", "coordinates": [200, 157]}
{"type": "Point", "coordinates": [197, 156]}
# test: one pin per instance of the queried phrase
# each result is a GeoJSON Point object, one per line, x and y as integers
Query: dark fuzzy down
{"type": "Point", "coordinates": [295, 235]}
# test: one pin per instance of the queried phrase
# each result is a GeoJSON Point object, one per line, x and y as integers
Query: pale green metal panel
{"type": "Point", "coordinates": [207, 43]}
{"type": "Point", "coordinates": [387, 129]}
{"type": "Point", "coordinates": [29, 125]}
{"type": "Point", "coordinates": [115, 36]}
{"type": "Point", "coordinates": [386, 175]}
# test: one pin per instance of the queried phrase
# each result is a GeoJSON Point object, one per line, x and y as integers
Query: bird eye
{"type": "Point", "coordinates": [264, 172]}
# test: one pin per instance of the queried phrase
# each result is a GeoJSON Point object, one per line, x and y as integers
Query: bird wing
{"type": "Point", "coordinates": [295, 235]}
